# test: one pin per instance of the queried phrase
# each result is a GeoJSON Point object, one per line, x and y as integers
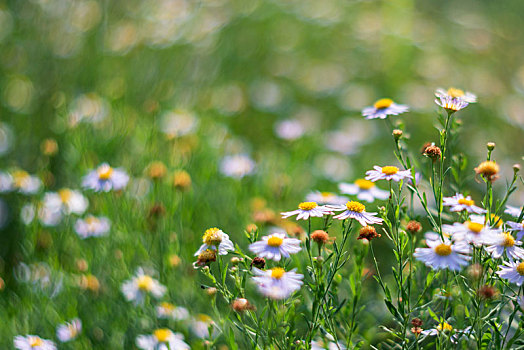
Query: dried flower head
{"type": "Point", "coordinates": [433, 152]}
{"type": "Point", "coordinates": [475, 271]}
{"type": "Point", "coordinates": [488, 169]}
{"type": "Point", "coordinates": [320, 237]}
{"type": "Point", "coordinates": [49, 147]}
{"type": "Point", "coordinates": [416, 322]}
{"type": "Point", "coordinates": [206, 257]}
{"type": "Point", "coordinates": [488, 292]}
{"type": "Point", "coordinates": [368, 232]}
{"type": "Point", "coordinates": [240, 305]}
{"type": "Point", "coordinates": [413, 227]}
{"type": "Point", "coordinates": [258, 262]}
{"type": "Point", "coordinates": [156, 170]}
{"type": "Point", "coordinates": [182, 180]}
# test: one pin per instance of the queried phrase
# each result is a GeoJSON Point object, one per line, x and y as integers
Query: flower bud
{"type": "Point", "coordinates": [397, 134]}
{"type": "Point", "coordinates": [490, 146]}
{"type": "Point", "coordinates": [320, 237]}
{"type": "Point", "coordinates": [489, 169]}
{"type": "Point", "coordinates": [413, 227]}
{"type": "Point", "coordinates": [240, 305]}
{"type": "Point", "coordinates": [368, 233]}
{"type": "Point", "coordinates": [516, 168]}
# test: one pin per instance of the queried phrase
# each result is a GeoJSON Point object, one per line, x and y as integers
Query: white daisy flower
{"type": "Point", "coordinates": [202, 326]}
{"type": "Point", "coordinates": [382, 108]}
{"type": "Point", "coordinates": [472, 231]}
{"type": "Point", "coordinates": [290, 129]}
{"type": "Point", "coordinates": [49, 215]}
{"type": "Point", "coordinates": [505, 242]}
{"type": "Point", "coordinates": [276, 283]}
{"type": "Point", "coordinates": [451, 104]}
{"type": "Point", "coordinates": [275, 246]}
{"type": "Point", "coordinates": [516, 227]}
{"type": "Point", "coordinates": [456, 93]}
{"type": "Point", "coordinates": [364, 189]}
{"type": "Point", "coordinates": [21, 181]}
{"type": "Point", "coordinates": [357, 211]}
{"type": "Point", "coordinates": [442, 327]}
{"type": "Point", "coordinates": [513, 211]}
{"type": "Point", "coordinates": [169, 311]}
{"type": "Point", "coordinates": [92, 226]}
{"type": "Point", "coordinates": [388, 173]}
{"type": "Point", "coordinates": [308, 209]}
{"type": "Point", "coordinates": [215, 239]}
{"type": "Point", "coordinates": [162, 339]}
{"type": "Point", "coordinates": [443, 254]}
{"type": "Point", "coordinates": [66, 200]}
{"type": "Point", "coordinates": [447, 328]}
{"type": "Point", "coordinates": [496, 221]}
{"type": "Point", "coordinates": [237, 166]}
{"type": "Point", "coordinates": [105, 178]}
{"type": "Point", "coordinates": [325, 198]}
{"type": "Point", "coordinates": [459, 203]}
{"type": "Point", "coordinates": [33, 342]}
{"type": "Point", "coordinates": [512, 271]}
{"type": "Point", "coordinates": [139, 286]}
{"type": "Point", "coordinates": [69, 331]}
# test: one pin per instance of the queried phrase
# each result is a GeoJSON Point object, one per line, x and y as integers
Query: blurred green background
{"type": "Point", "coordinates": [189, 82]}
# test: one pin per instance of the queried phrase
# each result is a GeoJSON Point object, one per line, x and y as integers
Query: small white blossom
{"type": "Point", "coordinates": [308, 209]}
{"type": "Point", "coordinates": [69, 331]}
{"type": "Point", "coordinates": [443, 254]}
{"type": "Point", "coordinates": [276, 283]}
{"type": "Point", "coordinates": [459, 203]}
{"type": "Point", "coordinates": [382, 108]}
{"type": "Point", "coordinates": [216, 239]}
{"type": "Point", "coordinates": [105, 178]}
{"type": "Point", "coordinates": [33, 342]}
{"type": "Point", "coordinates": [357, 211]}
{"type": "Point", "coordinates": [92, 226]}
{"type": "Point", "coordinates": [387, 173]}
{"type": "Point", "coordinates": [276, 246]}
{"type": "Point", "coordinates": [365, 190]}
{"type": "Point", "coordinates": [140, 285]}
{"type": "Point", "coordinates": [512, 271]}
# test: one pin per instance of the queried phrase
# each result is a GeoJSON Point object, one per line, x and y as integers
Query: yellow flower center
{"type": "Point", "coordinates": [35, 341]}
{"type": "Point", "coordinates": [464, 201]}
{"type": "Point", "coordinates": [65, 195]}
{"type": "Point", "coordinates": [443, 249]}
{"type": "Point", "coordinates": [167, 306]}
{"type": "Point", "coordinates": [389, 170]}
{"type": "Point", "coordinates": [355, 206]}
{"type": "Point", "coordinates": [104, 172]}
{"type": "Point", "coordinates": [307, 205]}
{"type": "Point", "coordinates": [364, 184]}
{"type": "Point", "coordinates": [326, 195]}
{"type": "Point", "coordinates": [520, 268]}
{"type": "Point", "coordinates": [509, 241]}
{"type": "Point", "coordinates": [455, 92]}
{"type": "Point", "coordinates": [277, 272]}
{"type": "Point", "coordinates": [204, 318]}
{"type": "Point", "coordinates": [162, 334]}
{"type": "Point", "coordinates": [91, 221]}
{"type": "Point", "coordinates": [474, 226]}
{"type": "Point", "coordinates": [145, 283]}
{"type": "Point", "coordinates": [497, 221]}
{"type": "Point", "coordinates": [275, 241]}
{"type": "Point", "coordinates": [19, 176]}
{"type": "Point", "coordinates": [73, 331]}
{"type": "Point", "coordinates": [212, 236]}
{"type": "Point", "coordinates": [444, 327]}
{"type": "Point", "coordinates": [383, 103]}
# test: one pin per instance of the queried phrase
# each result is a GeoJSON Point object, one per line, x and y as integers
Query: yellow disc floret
{"type": "Point", "coordinates": [464, 201]}
{"type": "Point", "coordinates": [277, 272]}
{"type": "Point", "coordinates": [35, 341]}
{"type": "Point", "coordinates": [390, 170]}
{"type": "Point", "coordinates": [443, 249]}
{"type": "Point", "coordinates": [307, 205]}
{"type": "Point", "coordinates": [496, 220]}
{"type": "Point", "coordinates": [162, 334]}
{"type": "Point", "coordinates": [444, 327]}
{"type": "Point", "coordinates": [455, 92]}
{"type": "Point", "coordinates": [509, 241]}
{"type": "Point", "coordinates": [474, 226]}
{"type": "Point", "coordinates": [520, 268]}
{"type": "Point", "coordinates": [104, 172]}
{"type": "Point", "coordinates": [212, 236]}
{"type": "Point", "coordinates": [355, 206]}
{"type": "Point", "coordinates": [383, 103]}
{"type": "Point", "coordinates": [364, 184]}
{"type": "Point", "coordinates": [65, 195]}
{"type": "Point", "coordinates": [145, 283]}
{"type": "Point", "coordinates": [19, 177]}
{"type": "Point", "coordinates": [167, 306]}
{"type": "Point", "coordinates": [275, 241]}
